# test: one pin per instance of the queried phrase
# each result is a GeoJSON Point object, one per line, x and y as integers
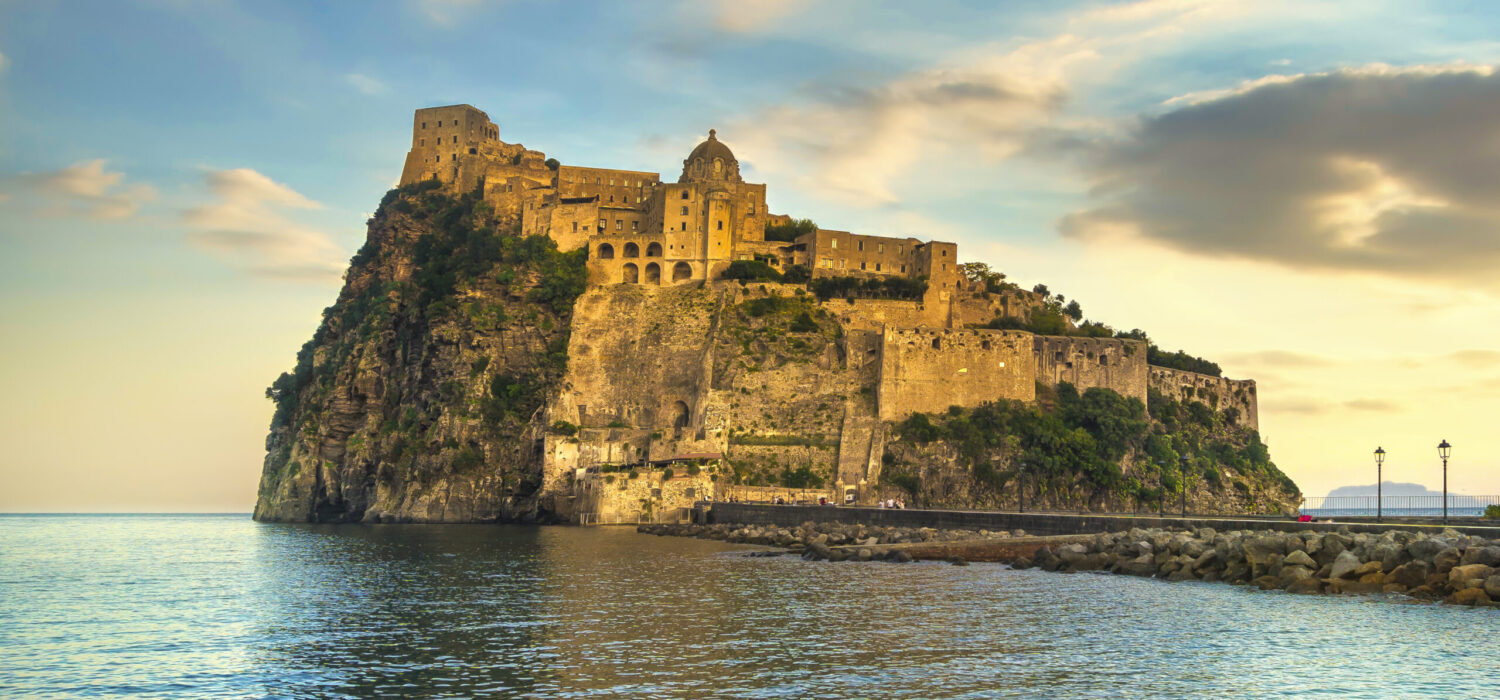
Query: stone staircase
{"type": "Point", "coordinates": [861, 443]}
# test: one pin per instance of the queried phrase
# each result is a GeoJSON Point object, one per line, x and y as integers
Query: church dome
{"type": "Point", "coordinates": [711, 160]}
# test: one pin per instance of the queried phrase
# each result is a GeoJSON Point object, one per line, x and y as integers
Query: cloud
{"type": "Point", "coordinates": [851, 143]}
{"type": "Point", "coordinates": [1294, 405]}
{"type": "Point", "coordinates": [1278, 358]}
{"type": "Point", "coordinates": [4, 62]}
{"type": "Point", "coordinates": [854, 142]}
{"type": "Point", "coordinates": [1376, 170]}
{"type": "Point", "coordinates": [739, 17]}
{"type": "Point", "coordinates": [367, 85]}
{"type": "Point", "coordinates": [1476, 358]}
{"type": "Point", "coordinates": [246, 226]}
{"type": "Point", "coordinates": [446, 12]}
{"type": "Point", "coordinates": [84, 189]}
{"type": "Point", "coordinates": [1377, 405]}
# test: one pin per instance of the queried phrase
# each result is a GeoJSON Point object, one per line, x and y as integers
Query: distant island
{"type": "Point", "coordinates": [525, 340]}
{"type": "Point", "coordinates": [1403, 489]}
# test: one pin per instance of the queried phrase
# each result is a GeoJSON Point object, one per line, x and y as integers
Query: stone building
{"type": "Point", "coordinates": [653, 379]}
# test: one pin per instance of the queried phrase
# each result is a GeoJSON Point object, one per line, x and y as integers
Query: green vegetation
{"type": "Point", "coordinates": [464, 245]}
{"type": "Point", "coordinates": [552, 164]}
{"type": "Point", "coordinates": [1071, 439]}
{"type": "Point", "coordinates": [800, 478]}
{"type": "Point", "coordinates": [796, 274]}
{"type": "Point", "coordinates": [789, 231]}
{"type": "Point", "coordinates": [563, 427]}
{"type": "Point", "coordinates": [751, 270]}
{"type": "Point", "coordinates": [1492, 512]}
{"type": "Point", "coordinates": [869, 288]}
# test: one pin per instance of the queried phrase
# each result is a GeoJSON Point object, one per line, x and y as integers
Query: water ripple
{"type": "Point", "coordinates": [205, 606]}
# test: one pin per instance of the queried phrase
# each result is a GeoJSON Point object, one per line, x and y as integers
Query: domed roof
{"type": "Point", "coordinates": [711, 161]}
{"type": "Point", "coordinates": [712, 148]}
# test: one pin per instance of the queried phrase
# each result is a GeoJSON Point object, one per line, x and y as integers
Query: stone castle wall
{"type": "Point", "coordinates": [1109, 363]}
{"type": "Point", "coordinates": [927, 370]}
{"type": "Point", "coordinates": [1237, 397]}
{"type": "Point", "coordinates": [616, 498]}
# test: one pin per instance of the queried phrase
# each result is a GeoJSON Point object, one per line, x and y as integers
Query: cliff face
{"type": "Point", "coordinates": [418, 398]}
{"type": "Point", "coordinates": [465, 375]}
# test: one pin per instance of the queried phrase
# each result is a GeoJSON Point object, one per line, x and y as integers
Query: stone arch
{"type": "Point", "coordinates": [681, 417]}
{"type": "Point", "coordinates": [606, 251]}
{"type": "Point", "coordinates": [653, 273]}
{"type": "Point", "coordinates": [632, 250]}
{"type": "Point", "coordinates": [653, 250]}
{"type": "Point", "coordinates": [681, 272]}
{"type": "Point", "coordinates": [630, 274]}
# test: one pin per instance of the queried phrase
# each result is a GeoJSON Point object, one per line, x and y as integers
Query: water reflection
{"type": "Point", "coordinates": [222, 607]}
{"type": "Point", "coordinates": [379, 611]}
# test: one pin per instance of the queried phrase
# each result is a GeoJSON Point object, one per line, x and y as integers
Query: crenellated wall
{"type": "Point", "coordinates": [1237, 397]}
{"type": "Point", "coordinates": [927, 370]}
{"type": "Point", "coordinates": [1109, 363]}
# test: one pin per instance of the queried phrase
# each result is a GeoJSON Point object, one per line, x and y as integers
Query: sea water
{"type": "Point", "coordinates": [222, 607]}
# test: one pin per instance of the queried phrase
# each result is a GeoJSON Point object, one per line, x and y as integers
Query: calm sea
{"type": "Point", "coordinates": [218, 606]}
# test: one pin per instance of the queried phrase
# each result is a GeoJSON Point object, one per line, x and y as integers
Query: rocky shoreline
{"type": "Point", "coordinates": [1446, 566]}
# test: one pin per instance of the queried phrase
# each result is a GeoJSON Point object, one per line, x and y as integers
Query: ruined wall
{"type": "Point", "coordinates": [875, 314]}
{"type": "Point", "coordinates": [971, 307]}
{"type": "Point", "coordinates": [617, 498]}
{"type": "Point", "coordinates": [1109, 363]}
{"type": "Point", "coordinates": [928, 370]}
{"type": "Point", "coordinates": [1236, 397]}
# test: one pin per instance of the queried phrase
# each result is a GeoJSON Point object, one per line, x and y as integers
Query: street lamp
{"type": "Point", "coordinates": [1379, 460]}
{"type": "Point", "coordinates": [1444, 449]}
{"type": "Point", "coordinates": [1182, 481]}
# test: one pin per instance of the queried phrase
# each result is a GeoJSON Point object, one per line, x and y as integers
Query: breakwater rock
{"type": "Point", "coordinates": [1446, 566]}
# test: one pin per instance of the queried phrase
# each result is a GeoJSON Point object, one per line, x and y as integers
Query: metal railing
{"type": "Point", "coordinates": [1398, 506]}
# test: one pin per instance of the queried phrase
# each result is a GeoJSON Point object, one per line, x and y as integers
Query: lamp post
{"type": "Point", "coordinates": [1183, 483]}
{"type": "Point", "coordinates": [1379, 460]}
{"type": "Point", "coordinates": [1444, 449]}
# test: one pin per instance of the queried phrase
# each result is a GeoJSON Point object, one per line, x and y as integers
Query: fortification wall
{"type": "Point", "coordinates": [976, 308]}
{"type": "Point", "coordinates": [876, 314]}
{"type": "Point", "coordinates": [1236, 397]}
{"type": "Point", "coordinates": [1108, 363]}
{"type": "Point", "coordinates": [927, 370]}
{"type": "Point", "coordinates": [616, 498]}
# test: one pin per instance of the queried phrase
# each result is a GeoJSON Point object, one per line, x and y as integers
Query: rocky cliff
{"type": "Point", "coordinates": [467, 373]}
{"type": "Point", "coordinates": [417, 399]}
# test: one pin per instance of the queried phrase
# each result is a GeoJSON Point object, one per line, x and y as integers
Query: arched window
{"type": "Point", "coordinates": [630, 274]}
{"type": "Point", "coordinates": [606, 251]}
{"type": "Point", "coordinates": [684, 211]}
{"type": "Point", "coordinates": [653, 273]}
{"type": "Point", "coordinates": [632, 251]}
{"type": "Point", "coordinates": [653, 250]}
{"type": "Point", "coordinates": [681, 272]}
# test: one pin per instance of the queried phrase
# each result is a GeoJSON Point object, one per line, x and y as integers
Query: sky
{"type": "Point", "coordinates": [1306, 192]}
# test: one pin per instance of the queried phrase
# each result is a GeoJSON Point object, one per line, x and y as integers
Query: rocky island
{"type": "Point", "coordinates": [523, 340]}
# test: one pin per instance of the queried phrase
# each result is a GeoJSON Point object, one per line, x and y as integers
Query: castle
{"type": "Point", "coordinates": [649, 386]}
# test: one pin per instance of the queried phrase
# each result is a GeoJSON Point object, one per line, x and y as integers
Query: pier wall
{"type": "Point", "coordinates": [1032, 523]}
